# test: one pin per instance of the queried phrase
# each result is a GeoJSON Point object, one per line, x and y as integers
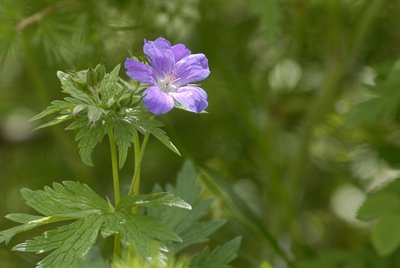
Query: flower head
{"type": "Point", "coordinates": [170, 75]}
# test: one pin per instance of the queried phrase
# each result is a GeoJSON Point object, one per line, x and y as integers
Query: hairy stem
{"type": "Point", "coordinates": [117, 197]}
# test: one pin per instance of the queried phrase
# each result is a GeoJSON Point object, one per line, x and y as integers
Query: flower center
{"type": "Point", "coordinates": [165, 83]}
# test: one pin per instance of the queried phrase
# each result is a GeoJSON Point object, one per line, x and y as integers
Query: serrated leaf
{"type": "Point", "coordinates": [59, 119]}
{"type": "Point", "coordinates": [61, 202]}
{"type": "Point", "coordinates": [141, 120]}
{"type": "Point", "coordinates": [146, 234]}
{"type": "Point", "coordinates": [386, 234]}
{"type": "Point", "coordinates": [68, 197]}
{"type": "Point", "coordinates": [109, 87]}
{"type": "Point", "coordinates": [123, 133]}
{"type": "Point", "coordinates": [69, 87]}
{"type": "Point", "coordinates": [88, 137]}
{"type": "Point", "coordinates": [186, 223]}
{"type": "Point", "coordinates": [94, 114]}
{"type": "Point", "coordinates": [79, 122]}
{"type": "Point", "coordinates": [161, 135]}
{"type": "Point", "coordinates": [71, 243]}
{"type": "Point", "coordinates": [378, 205]}
{"type": "Point", "coordinates": [55, 107]}
{"type": "Point", "coordinates": [153, 200]}
{"type": "Point", "coordinates": [220, 257]}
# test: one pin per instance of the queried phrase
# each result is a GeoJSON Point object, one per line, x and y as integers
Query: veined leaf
{"type": "Point", "coordinates": [123, 133]}
{"type": "Point", "coordinates": [69, 87]}
{"type": "Point", "coordinates": [142, 121]}
{"type": "Point", "coordinates": [68, 197]}
{"type": "Point", "coordinates": [71, 243]}
{"type": "Point", "coordinates": [153, 200]}
{"type": "Point", "coordinates": [109, 87]}
{"type": "Point", "coordinates": [55, 107]}
{"type": "Point", "coordinates": [22, 217]}
{"type": "Point", "coordinates": [88, 137]}
{"type": "Point", "coordinates": [146, 234]}
{"type": "Point", "coordinates": [187, 223]}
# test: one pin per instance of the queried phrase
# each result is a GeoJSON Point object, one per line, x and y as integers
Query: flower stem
{"type": "Point", "coordinates": [117, 197]}
{"type": "Point", "coordinates": [139, 152]}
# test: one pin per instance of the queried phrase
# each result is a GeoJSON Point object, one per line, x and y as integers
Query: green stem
{"type": "Point", "coordinates": [139, 152]}
{"type": "Point", "coordinates": [117, 196]}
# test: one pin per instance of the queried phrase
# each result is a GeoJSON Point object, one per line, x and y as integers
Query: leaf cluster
{"type": "Point", "coordinates": [190, 226]}
{"type": "Point", "coordinates": [85, 215]}
{"type": "Point", "coordinates": [99, 103]}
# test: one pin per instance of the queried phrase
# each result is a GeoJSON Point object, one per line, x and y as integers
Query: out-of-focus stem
{"type": "Point", "coordinates": [327, 97]}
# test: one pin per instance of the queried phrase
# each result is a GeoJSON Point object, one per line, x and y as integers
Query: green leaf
{"type": "Point", "coordinates": [71, 243]}
{"type": "Point", "coordinates": [382, 105]}
{"type": "Point", "coordinates": [147, 235]}
{"type": "Point", "coordinates": [55, 107]}
{"type": "Point", "coordinates": [386, 234]}
{"type": "Point", "coordinates": [187, 223]}
{"type": "Point", "coordinates": [57, 120]}
{"type": "Point", "coordinates": [143, 122]}
{"type": "Point", "coordinates": [88, 137]}
{"type": "Point", "coordinates": [222, 188]}
{"type": "Point", "coordinates": [197, 233]}
{"type": "Point", "coordinates": [22, 217]}
{"type": "Point", "coordinates": [109, 87]}
{"type": "Point", "coordinates": [68, 197]}
{"type": "Point", "coordinates": [161, 135]}
{"type": "Point", "coordinates": [69, 87]}
{"type": "Point", "coordinates": [220, 257]}
{"type": "Point", "coordinates": [153, 200]}
{"type": "Point", "coordinates": [123, 133]}
{"type": "Point", "coordinates": [378, 205]}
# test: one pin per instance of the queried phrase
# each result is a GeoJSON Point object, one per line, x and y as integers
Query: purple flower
{"type": "Point", "coordinates": [170, 75]}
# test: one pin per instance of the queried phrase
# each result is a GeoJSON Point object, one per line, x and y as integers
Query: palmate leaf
{"type": "Point", "coordinates": [71, 243]}
{"type": "Point", "coordinates": [220, 257]}
{"type": "Point", "coordinates": [90, 214]}
{"type": "Point", "coordinates": [186, 223]}
{"type": "Point", "coordinates": [147, 235]}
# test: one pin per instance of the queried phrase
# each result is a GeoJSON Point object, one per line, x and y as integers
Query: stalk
{"type": "Point", "coordinates": [139, 152]}
{"type": "Point", "coordinates": [117, 196]}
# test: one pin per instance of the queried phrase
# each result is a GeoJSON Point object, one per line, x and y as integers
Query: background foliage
{"type": "Point", "coordinates": [302, 122]}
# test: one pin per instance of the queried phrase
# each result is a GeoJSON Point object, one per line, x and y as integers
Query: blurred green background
{"type": "Point", "coordinates": [302, 123]}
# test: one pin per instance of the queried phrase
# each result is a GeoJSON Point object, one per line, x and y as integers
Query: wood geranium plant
{"type": "Point", "coordinates": [149, 230]}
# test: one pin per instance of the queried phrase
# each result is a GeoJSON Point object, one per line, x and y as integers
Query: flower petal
{"type": "Point", "coordinates": [157, 101]}
{"type": "Point", "coordinates": [192, 98]}
{"type": "Point", "coordinates": [191, 69]}
{"type": "Point", "coordinates": [180, 51]}
{"type": "Point", "coordinates": [160, 55]}
{"type": "Point", "coordinates": [139, 71]}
